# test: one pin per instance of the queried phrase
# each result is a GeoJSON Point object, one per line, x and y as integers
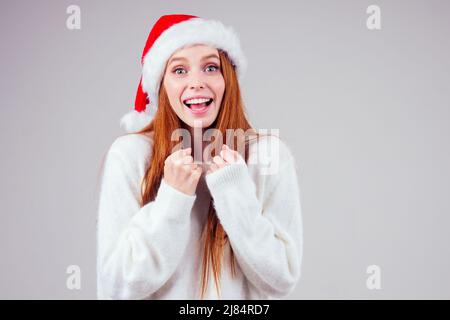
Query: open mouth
{"type": "Point", "coordinates": [197, 104]}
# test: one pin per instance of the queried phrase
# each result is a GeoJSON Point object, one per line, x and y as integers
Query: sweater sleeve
{"type": "Point", "coordinates": [267, 235]}
{"type": "Point", "coordinates": [138, 248]}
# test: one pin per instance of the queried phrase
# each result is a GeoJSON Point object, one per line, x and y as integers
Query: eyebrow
{"type": "Point", "coordinates": [204, 58]}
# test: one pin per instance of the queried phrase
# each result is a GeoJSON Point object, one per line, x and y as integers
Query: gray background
{"type": "Point", "coordinates": [366, 114]}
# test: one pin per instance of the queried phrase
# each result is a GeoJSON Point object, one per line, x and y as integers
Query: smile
{"type": "Point", "coordinates": [198, 106]}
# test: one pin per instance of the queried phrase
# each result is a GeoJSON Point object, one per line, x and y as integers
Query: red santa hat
{"type": "Point", "coordinates": [170, 33]}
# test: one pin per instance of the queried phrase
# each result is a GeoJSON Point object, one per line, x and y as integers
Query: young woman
{"type": "Point", "coordinates": [171, 225]}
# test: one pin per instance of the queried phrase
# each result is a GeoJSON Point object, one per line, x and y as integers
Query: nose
{"type": "Point", "coordinates": [196, 81]}
{"type": "Point", "coordinates": [196, 86]}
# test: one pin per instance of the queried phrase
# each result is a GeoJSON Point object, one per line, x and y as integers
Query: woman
{"type": "Point", "coordinates": [170, 222]}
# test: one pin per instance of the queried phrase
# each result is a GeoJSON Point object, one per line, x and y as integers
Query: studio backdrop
{"type": "Point", "coordinates": [359, 90]}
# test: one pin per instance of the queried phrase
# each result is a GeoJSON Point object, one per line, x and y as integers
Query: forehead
{"type": "Point", "coordinates": [194, 52]}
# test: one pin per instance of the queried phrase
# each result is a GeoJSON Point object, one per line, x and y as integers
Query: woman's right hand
{"type": "Point", "coordinates": [180, 171]}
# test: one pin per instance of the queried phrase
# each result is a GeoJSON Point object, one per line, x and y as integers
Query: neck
{"type": "Point", "coordinates": [196, 140]}
{"type": "Point", "coordinates": [198, 145]}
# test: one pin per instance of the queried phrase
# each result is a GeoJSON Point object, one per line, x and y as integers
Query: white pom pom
{"type": "Point", "coordinates": [134, 121]}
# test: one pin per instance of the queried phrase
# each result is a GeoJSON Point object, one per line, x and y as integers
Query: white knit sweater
{"type": "Point", "coordinates": [154, 252]}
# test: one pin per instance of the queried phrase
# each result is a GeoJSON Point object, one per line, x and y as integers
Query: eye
{"type": "Point", "coordinates": [214, 67]}
{"type": "Point", "coordinates": [179, 69]}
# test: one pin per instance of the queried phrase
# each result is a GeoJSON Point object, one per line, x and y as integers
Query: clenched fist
{"type": "Point", "coordinates": [180, 171]}
{"type": "Point", "coordinates": [226, 157]}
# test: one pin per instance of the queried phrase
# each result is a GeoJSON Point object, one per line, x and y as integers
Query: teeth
{"type": "Point", "coordinates": [196, 101]}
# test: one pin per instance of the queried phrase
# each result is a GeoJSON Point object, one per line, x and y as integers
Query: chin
{"type": "Point", "coordinates": [200, 122]}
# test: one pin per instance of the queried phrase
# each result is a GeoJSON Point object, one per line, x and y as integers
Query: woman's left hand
{"type": "Point", "coordinates": [226, 157]}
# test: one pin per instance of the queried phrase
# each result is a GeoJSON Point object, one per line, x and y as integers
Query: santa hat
{"type": "Point", "coordinates": [170, 33]}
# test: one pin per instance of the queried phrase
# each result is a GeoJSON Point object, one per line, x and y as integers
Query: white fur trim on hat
{"type": "Point", "coordinates": [135, 121]}
{"type": "Point", "coordinates": [192, 31]}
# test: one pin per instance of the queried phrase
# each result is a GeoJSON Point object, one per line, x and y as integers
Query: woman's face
{"type": "Point", "coordinates": [194, 84]}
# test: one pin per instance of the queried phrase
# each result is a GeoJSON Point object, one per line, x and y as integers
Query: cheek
{"type": "Point", "coordinates": [173, 90]}
{"type": "Point", "coordinates": [219, 88]}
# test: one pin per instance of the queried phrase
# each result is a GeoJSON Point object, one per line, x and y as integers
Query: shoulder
{"type": "Point", "coordinates": [270, 153]}
{"type": "Point", "coordinates": [134, 149]}
{"type": "Point", "coordinates": [130, 144]}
